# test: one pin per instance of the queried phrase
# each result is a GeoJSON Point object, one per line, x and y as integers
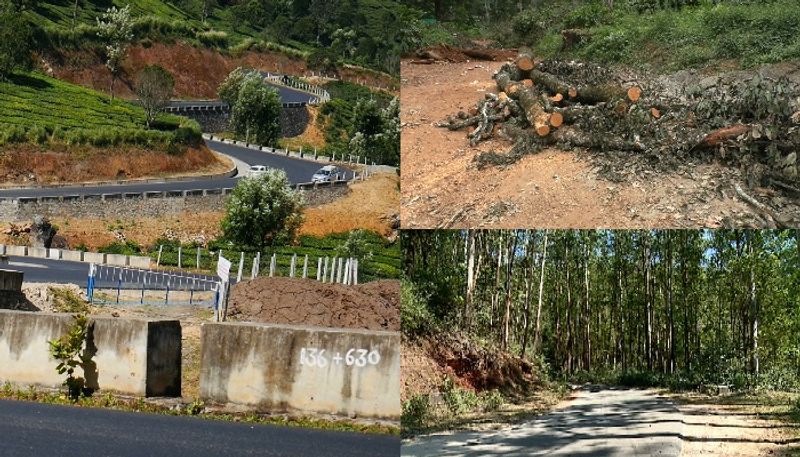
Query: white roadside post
{"type": "Point", "coordinates": [325, 271]}
{"type": "Point", "coordinates": [256, 262]}
{"type": "Point", "coordinates": [198, 258]}
{"type": "Point", "coordinates": [273, 263]}
{"type": "Point", "coordinates": [158, 260]}
{"type": "Point", "coordinates": [319, 268]}
{"type": "Point", "coordinates": [341, 270]}
{"type": "Point", "coordinates": [305, 267]}
{"type": "Point", "coordinates": [292, 265]}
{"type": "Point", "coordinates": [333, 270]}
{"type": "Point", "coordinates": [223, 271]}
{"type": "Point", "coordinates": [241, 267]}
{"type": "Point", "coordinates": [346, 276]}
{"type": "Point", "coordinates": [179, 257]}
{"type": "Point", "coordinates": [355, 273]}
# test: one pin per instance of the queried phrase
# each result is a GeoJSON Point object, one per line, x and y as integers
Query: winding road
{"type": "Point", "coordinates": [34, 429]}
{"type": "Point", "coordinates": [597, 422]}
{"type": "Point", "coordinates": [298, 171]}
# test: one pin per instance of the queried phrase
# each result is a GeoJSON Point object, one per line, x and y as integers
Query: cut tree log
{"type": "Point", "coordinates": [557, 98]}
{"type": "Point", "coordinates": [588, 94]}
{"type": "Point", "coordinates": [534, 112]}
{"type": "Point", "coordinates": [478, 54]}
{"type": "Point", "coordinates": [719, 136]}
{"type": "Point", "coordinates": [525, 60]}
{"type": "Point", "coordinates": [556, 119]}
{"type": "Point", "coordinates": [634, 93]}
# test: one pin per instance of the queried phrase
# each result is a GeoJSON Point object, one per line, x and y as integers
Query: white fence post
{"type": "Point", "coordinates": [292, 265]}
{"type": "Point", "coordinates": [346, 279]}
{"type": "Point", "coordinates": [333, 270]}
{"type": "Point", "coordinates": [198, 257]}
{"type": "Point", "coordinates": [179, 257]}
{"type": "Point", "coordinates": [355, 273]}
{"type": "Point", "coordinates": [325, 271]}
{"type": "Point", "coordinates": [340, 268]}
{"type": "Point", "coordinates": [305, 267]}
{"type": "Point", "coordinates": [254, 271]}
{"type": "Point", "coordinates": [319, 268]}
{"type": "Point", "coordinates": [158, 261]}
{"type": "Point", "coordinates": [272, 265]}
{"type": "Point", "coordinates": [241, 267]}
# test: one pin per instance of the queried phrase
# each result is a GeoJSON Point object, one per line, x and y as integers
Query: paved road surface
{"type": "Point", "coordinates": [68, 272]}
{"type": "Point", "coordinates": [607, 422]}
{"type": "Point", "coordinates": [33, 430]}
{"type": "Point", "coordinates": [298, 170]}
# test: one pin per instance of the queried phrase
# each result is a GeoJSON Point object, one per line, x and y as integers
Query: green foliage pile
{"type": "Point", "coordinates": [41, 110]}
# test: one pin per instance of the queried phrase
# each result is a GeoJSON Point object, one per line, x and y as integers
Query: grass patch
{"type": "Point", "coordinates": [67, 301]}
{"type": "Point", "coordinates": [381, 259]}
{"type": "Point", "coordinates": [195, 408]}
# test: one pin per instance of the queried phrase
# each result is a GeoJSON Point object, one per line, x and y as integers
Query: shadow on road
{"type": "Point", "coordinates": [597, 423]}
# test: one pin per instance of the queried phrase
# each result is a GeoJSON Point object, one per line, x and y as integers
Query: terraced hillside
{"type": "Point", "coordinates": [40, 109]}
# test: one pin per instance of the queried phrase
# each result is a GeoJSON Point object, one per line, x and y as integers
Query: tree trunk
{"type": "Point", "coordinates": [468, 305]}
{"type": "Point", "coordinates": [537, 337]}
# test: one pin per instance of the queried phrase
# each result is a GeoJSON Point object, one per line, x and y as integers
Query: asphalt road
{"type": "Point", "coordinates": [297, 170]}
{"type": "Point", "coordinates": [597, 423]}
{"type": "Point", "coordinates": [68, 272]}
{"type": "Point", "coordinates": [34, 429]}
{"type": "Point", "coordinates": [48, 270]}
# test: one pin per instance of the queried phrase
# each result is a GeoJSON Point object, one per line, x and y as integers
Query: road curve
{"type": "Point", "coordinates": [297, 170]}
{"type": "Point", "coordinates": [34, 429]}
{"type": "Point", "coordinates": [598, 422]}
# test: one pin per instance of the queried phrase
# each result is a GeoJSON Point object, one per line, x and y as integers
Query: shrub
{"type": "Point", "coordinates": [66, 301]}
{"type": "Point", "coordinates": [213, 39]}
{"type": "Point", "coordinates": [415, 319]}
{"type": "Point", "coordinates": [416, 412]}
{"type": "Point", "coordinates": [127, 248]}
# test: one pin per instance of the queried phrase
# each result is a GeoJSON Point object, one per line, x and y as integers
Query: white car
{"type": "Point", "coordinates": [327, 173]}
{"type": "Point", "coordinates": [256, 170]}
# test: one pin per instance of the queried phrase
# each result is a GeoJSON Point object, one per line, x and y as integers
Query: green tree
{"type": "Point", "coordinates": [115, 28]}
{"type": "Point", "coordinates": [15, 43]}
{"type": "Point", "coordinates": [263, 211]}
{"type": "Point", "coordinates": [154, 87]}
{"type": "Point", "coordinates": [255, 106]}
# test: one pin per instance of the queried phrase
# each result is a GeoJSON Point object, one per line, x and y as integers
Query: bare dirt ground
{"type": "Point", "coordinates": [441, 187]}
{"type": "Point", "coordinates": [29, 165]}
{"type": "Point", "coordinates": [737, 426]}
{"type": "Point", "coordinates": [370, 205]}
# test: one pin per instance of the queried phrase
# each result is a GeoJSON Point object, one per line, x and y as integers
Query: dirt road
{"type": "Point", "coordinates": [599, 422]}
{"type": "Point", "coordinates": [441, 187]}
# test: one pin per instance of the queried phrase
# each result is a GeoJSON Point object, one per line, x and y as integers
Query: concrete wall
{"type": "Point", "coordinates": [94, 257]}
{"type": "Point", "coordinates": [16, 250]}
{"type": "Point", "coordinates": [10, 281]}
{"type": "Point", "coordinates": [260, 366]}
{"type": "Point", "coordinates": [117, 260]}
{"type": "Point", "coordinates": [40, 253]}
{"type": "Point", "coordinates": [136, 357]}
{"type": "Point", "coordinates": [75, 256]}
{"type": "Point", "coordinates": [139, 262]}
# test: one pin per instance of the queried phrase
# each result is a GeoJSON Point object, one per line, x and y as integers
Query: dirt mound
{"type": "Point", "coordinates": [425, 364]}
{"type": "Point", "coordinates": [372, 306]}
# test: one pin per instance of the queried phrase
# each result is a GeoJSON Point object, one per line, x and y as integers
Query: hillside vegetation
{"type": "Point", "coordinates": [42, 110]}
{"type": "Point", "coordinates": [664, 36]}
{"type": "Point", "coordinates": [327, 32]}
